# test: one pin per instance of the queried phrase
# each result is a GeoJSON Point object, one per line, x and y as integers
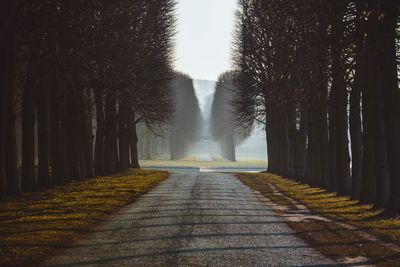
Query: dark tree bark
{"type": "Point", "coordinates": [301, 140]}
{"type": "Point", "coordinates": [111, 134]}
{"type": "Point", "coordinates": [391, 102]}
{"type": "Point", "coordinates": [10, 145]}
{"type": "Point", "coordinates": [342, 152]}
{"type": "Point", "coordinates": [29, 182]}
{"type": "Point", "coordinates": [356, 142]}
{"type": "Point", "coordinates": [123, 135]}
{"type": "Point", "coordinates": [381, 166]}
{"type": "Point", "coordinates": [70, 130]}
{"type": "Point", "coordinates": [273, 156]}
{"type": "Point", "coordinates": [320, 109]}
{"type": "Point", "coordinates": [3, 102]}
{"type": "Point", "coordinates": [333, 173]}
{"type": "Point", "coordinates": [324, 139]}
{"type": "Point", "coordinates": [100, 133]}
{"type": "Point", "coordinates": [355, 109]}
{"type": "Point", "coordinates": [57, 142]}
{"type": "Point", "coordinates": [81, 133]}
{"type": "Point", "coordinates": [134, 149]}
{"type": "Point", "coordinates": [7, 36]}
{"type": "Point", "coordinates": [43, 134]}
{"type": "Point", "coordinates": [371, 107]}
{"type": "Point", "coordinates": [284, 141]}
{"type": "Point", "coordinates": [87, 134]}
{"type": "Point", "coordinates": [339, 93]}
{"type": "Point", "coordinates": [317, 142]}
{"type": "Point", "coordinates": [291, 142]}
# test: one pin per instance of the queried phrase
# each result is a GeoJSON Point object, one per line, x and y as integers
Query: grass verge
{"type": "Point", "coordinates": [338, 227]}
{"type": "Point", "coordinates": [41, 223]}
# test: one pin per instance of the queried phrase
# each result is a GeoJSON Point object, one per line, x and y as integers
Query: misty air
{"type": "Point", "coordinates": [200, 133]}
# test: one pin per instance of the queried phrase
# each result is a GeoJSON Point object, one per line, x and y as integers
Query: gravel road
{"type": "Point", "coordinates": [199, 219]}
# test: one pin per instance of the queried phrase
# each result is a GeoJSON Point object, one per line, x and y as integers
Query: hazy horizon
{"type": "Point", "coordinates": [204, 37]}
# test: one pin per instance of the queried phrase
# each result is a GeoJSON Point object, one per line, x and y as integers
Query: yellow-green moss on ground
{"type": "Point", "coordinates": [39, 224]}
{"type": "Point", "coordinates": [330, 238]}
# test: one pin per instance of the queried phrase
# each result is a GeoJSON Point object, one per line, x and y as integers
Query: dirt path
{"type": "Point", "coordinates": [204, 219]}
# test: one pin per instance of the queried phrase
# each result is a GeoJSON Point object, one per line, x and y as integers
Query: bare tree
{"type": "Point", "coordinates": [305, 70]}
{"type": "Point", "coordinates": [68, 57]}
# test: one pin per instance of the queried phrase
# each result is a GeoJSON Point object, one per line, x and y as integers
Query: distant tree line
{"type": "Point", "coordinates": [223, 128]}
{"type": "Point", "coordinates": [322, 76]}
{"type": "Point", "coordinates": [78, 76]}
{"type": "Point", "coordinates": [179, 134]}
{"type": "Point", "coordinates": [187, 124]}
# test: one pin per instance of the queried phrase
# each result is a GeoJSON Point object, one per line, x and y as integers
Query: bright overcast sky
{"type": "Point", "coordinates": [204, 38]}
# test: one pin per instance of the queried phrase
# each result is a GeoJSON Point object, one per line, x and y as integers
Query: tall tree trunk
{"type": "Point", "coordinates": [99, 143]}
{"type": "Point", "coordinates": [317, 160]}
{"type": "Point", "coordinates": [356, 142]}
{"type": "Point", "coordinates": [271, 141]}
{"type": "Point", "coordinates": [381, 166]}
{"type": "Point", "coordinates": [123, 135]}
{"type": "Point", "coordinates": [29, 182]}
{"type": "Point", "coordinates": [7, 61]}
{"type": "Point", "coordinates": [87, 134]}
{"type": "Point", "coordinates": [3, 104]}
{"type": "Point", "coordinates": [111, 134]}
{"type": "Point", "coordinates": [81, 132]}
{"type": "Point", "coordinates": [270, 158]}
{"type": "Point", "coordinates": [307, 176]}
{"type": "Point", "coordinates": [342, 149]}
{"type": "Point", "coordinates": [10, 145]}
{"type": "Point", "coordinates": [70, 129]}
{"type": "Point", "coordinates": [342, 142]}
{"type": "Point", "coordinates": [284, 139]}
{"type": "Point", "coordinates": [301, 140]}
{"type": "Point", "coordinates": [333, 183]}
{"type": "Point", "coordinates": [391, 101]}
{"type": "Point", "coordinates": [322, 113]}
{"type": "Point", "coordinates": [57, 146]}
{"type": "Point", "coordinates": [371, 106]}
{"type": "Point", "coordinates": [355, 110]}
{"type": "Point", "coordinates": [43, 134]}
{"type": "Point", "coordinates": [291, 141]}
{"type": "Point", "coordinates": [324, 139]}
{"type": "Point", "coordinates": [340, 106]}
{"type": "Point", "coordinates": [134, 150]}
